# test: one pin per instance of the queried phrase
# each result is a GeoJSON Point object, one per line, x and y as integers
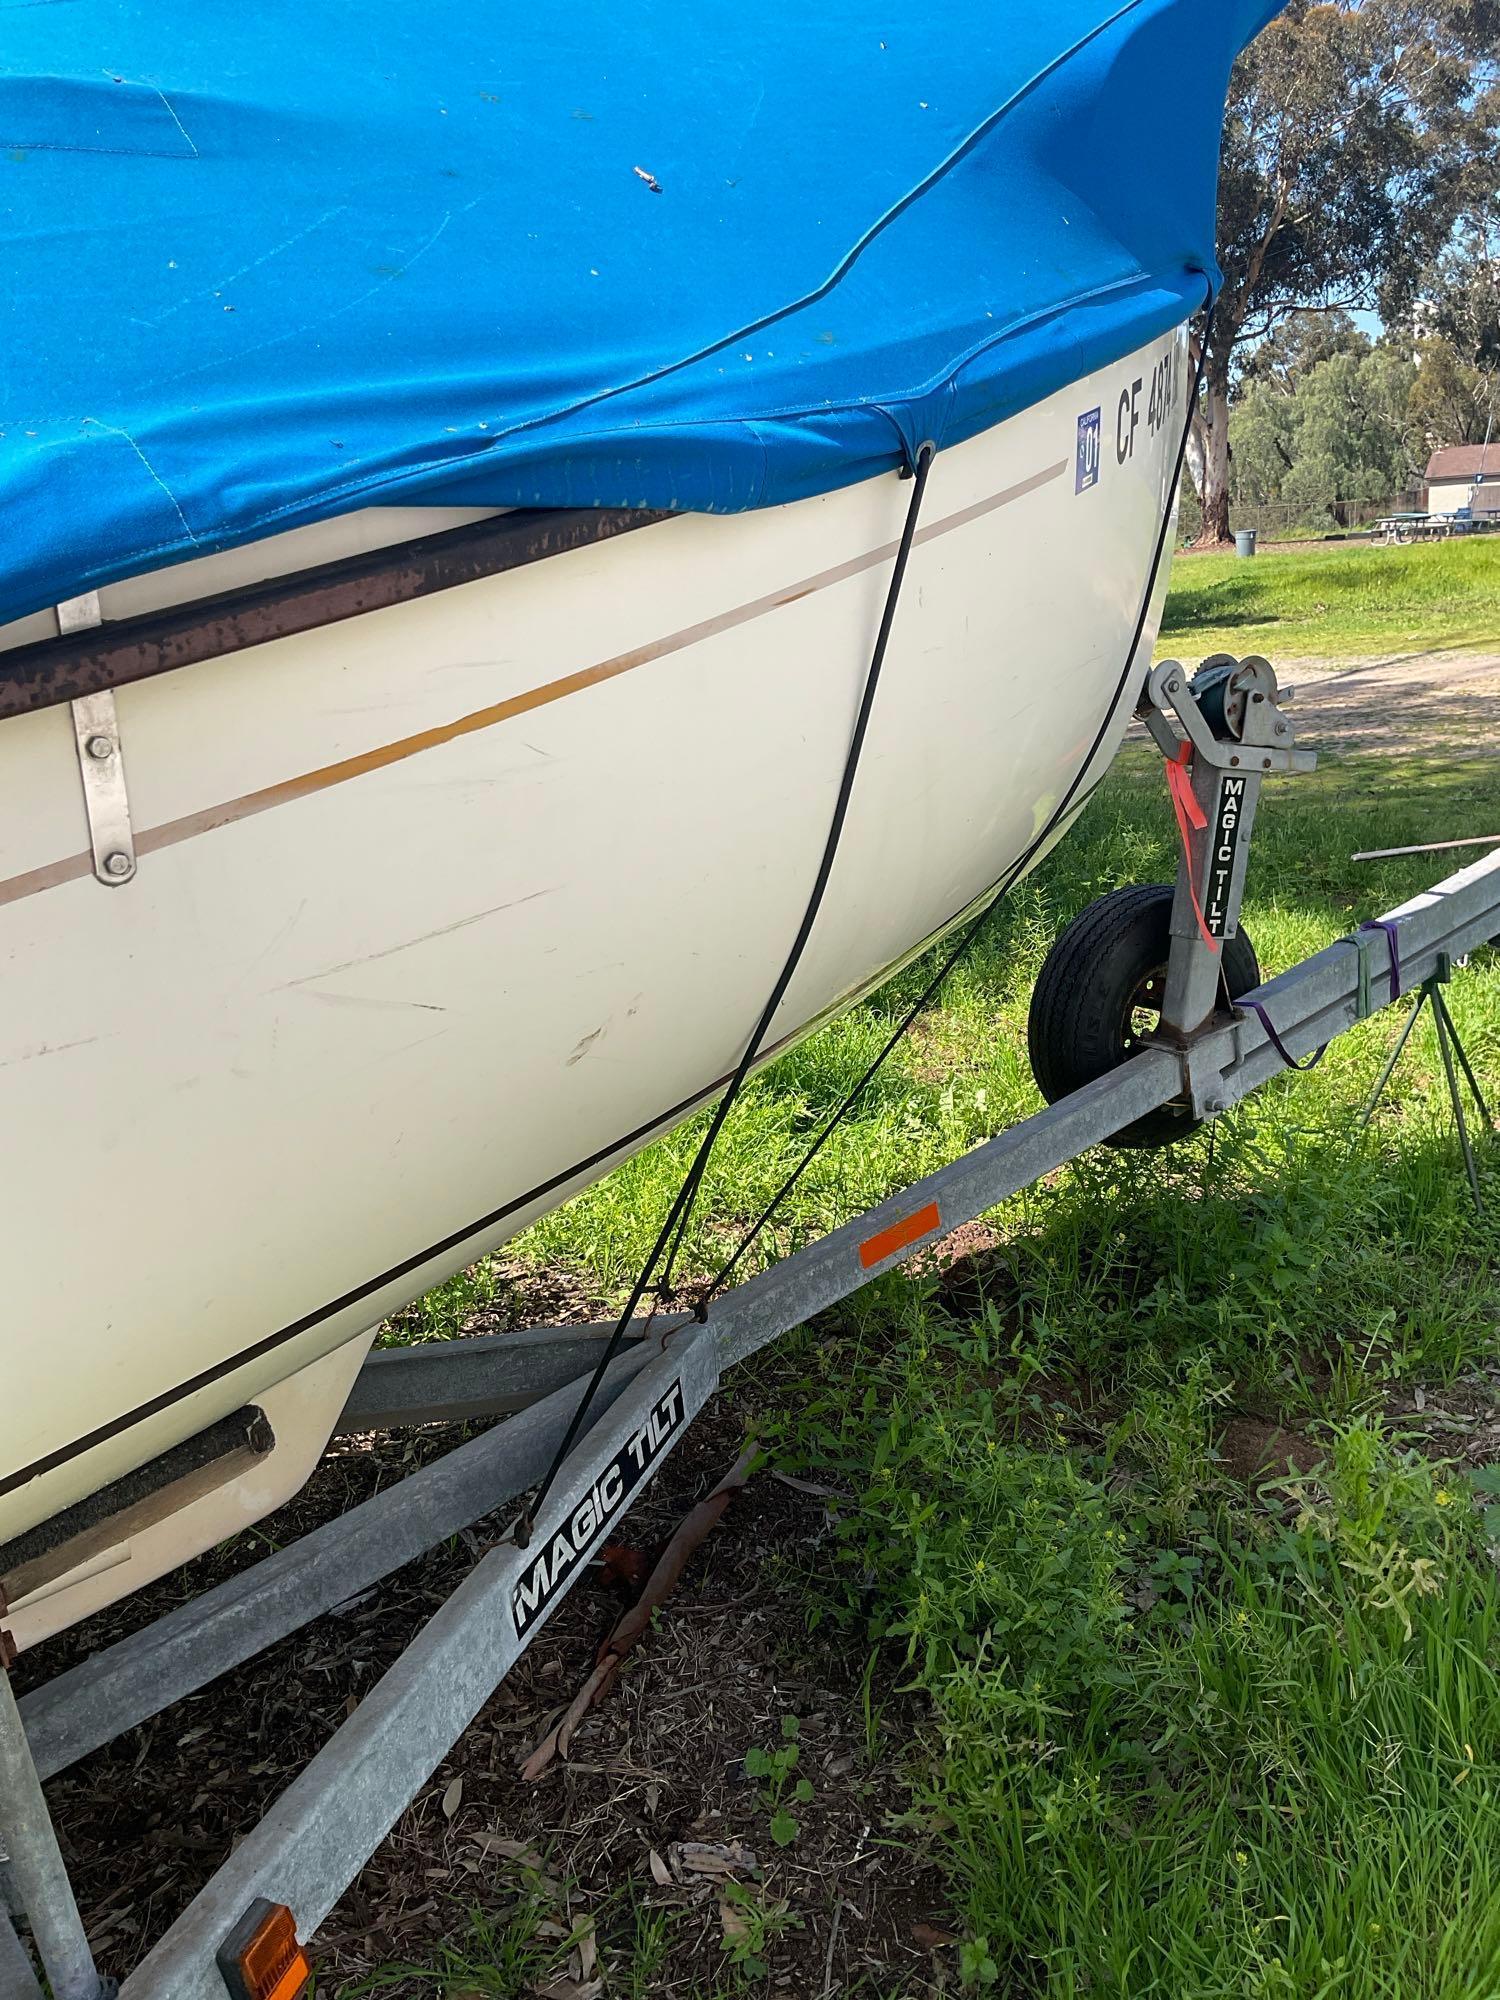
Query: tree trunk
{"type": "Point", "coordinates": [1209, 460]}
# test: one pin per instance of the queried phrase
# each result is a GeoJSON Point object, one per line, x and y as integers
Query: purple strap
{"type": "Point", "coordinates": [1278, 1044]}
{"type": "Point", "coordinates": [1393, 939]}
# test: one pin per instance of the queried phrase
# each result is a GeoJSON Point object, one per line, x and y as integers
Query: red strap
{"type": "Point", "coordinates": [1190, 815]}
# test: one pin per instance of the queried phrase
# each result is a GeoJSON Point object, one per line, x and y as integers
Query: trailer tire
{"type": "Point", "coordinates": [1104, 974]}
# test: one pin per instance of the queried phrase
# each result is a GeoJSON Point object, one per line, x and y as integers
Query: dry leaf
{"type": "Point", "coordinates": [524, 1856]}
{"type": "Point", "coordinates": [734, 1920]}
{"type": "Point", "coordinates": [661, 1874]}
{"type": "Point", "coordinates": [930, 1936]}
{"type": "Point", "coordinates": [712, 1858]}
{"type": "Point", "coordinates": [453, 1798]}
{"type": "Point", "coordinates": [811, 1487]}
{"type": "Point", "coordinates": [588, 1951]}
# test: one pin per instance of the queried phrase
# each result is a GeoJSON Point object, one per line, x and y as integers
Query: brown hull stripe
{"type": "Point", "coordinates": [77, 866]}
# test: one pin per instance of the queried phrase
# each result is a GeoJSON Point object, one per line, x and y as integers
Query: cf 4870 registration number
{"type": "Point", "coordinates": [1149, 403]}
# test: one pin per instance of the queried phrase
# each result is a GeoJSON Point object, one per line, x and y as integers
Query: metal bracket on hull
{"type": "Point", "coordinates": [101, 765]}
{"type": "Point", "coordinates": [79, 614]}
{"type": "Point", "coordinates": [101, 761]}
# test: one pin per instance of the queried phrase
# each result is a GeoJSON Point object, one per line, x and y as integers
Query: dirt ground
{"type": "Point", "coordinates": [1445, 703]}
{"type": "Point", "coordinates": [1441, 703]}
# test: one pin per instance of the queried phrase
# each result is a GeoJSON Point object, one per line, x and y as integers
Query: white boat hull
{"type": "Point", "coordinates": [443, 910]}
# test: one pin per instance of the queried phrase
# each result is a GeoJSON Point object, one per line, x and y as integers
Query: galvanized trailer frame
{"type": "Point", "coordinates": [314, 1840]}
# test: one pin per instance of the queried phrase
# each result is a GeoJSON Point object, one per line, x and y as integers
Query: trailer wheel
{"type": "Point", "coordinates": [1100, 990]}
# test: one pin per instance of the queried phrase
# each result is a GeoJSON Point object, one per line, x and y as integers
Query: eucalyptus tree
{"type": "Point", "coordinates": [1356, 132]}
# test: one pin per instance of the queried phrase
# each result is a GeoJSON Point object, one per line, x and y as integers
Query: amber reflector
{"type": "Point", "coordinates": [875, 1249]}
{"type": "Point", "coordinates": [262, 1959]}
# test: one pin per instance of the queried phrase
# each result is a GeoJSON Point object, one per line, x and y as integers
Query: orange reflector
{"type": "Point", "coordinates": [261, 1959]}
{"type": "Point", "coordinates": [886, 1242]}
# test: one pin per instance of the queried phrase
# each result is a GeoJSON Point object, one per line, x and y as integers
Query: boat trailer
{"type": "Point", "coordinates": [246, 1932]}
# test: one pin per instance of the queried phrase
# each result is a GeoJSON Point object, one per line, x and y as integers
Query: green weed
{"type": "Point", "coordinates": [776, 1768]}
{"type": "Point", "coordinates": [752, 1921]}
{"type": "Point", "coordinates": [1181, 1744]}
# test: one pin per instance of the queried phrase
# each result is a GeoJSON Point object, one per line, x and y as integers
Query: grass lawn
{"type": "Point", "coordinates": [1182, 1640]}
{"type": "Point", "coordinates": [1337, 601]}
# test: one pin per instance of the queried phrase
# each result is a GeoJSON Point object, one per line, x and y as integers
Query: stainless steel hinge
{"type": "Point", "coordinates": [101, 762]}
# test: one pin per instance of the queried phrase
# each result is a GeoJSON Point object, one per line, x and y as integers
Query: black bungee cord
{"type": "Point", "coordinates": [669, 1238]}
{"type": "Point", "coordinates": [918, 466]}
{"type": "Point", "coordinates": [972, 933]}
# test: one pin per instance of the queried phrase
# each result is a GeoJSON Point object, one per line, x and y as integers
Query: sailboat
{"type": "Point", "coordinates": [451, 477]}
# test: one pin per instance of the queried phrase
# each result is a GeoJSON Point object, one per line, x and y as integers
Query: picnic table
{"type": "Point", "coordinates": [1414, 527]}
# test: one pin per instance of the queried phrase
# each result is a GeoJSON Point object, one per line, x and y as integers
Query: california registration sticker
{"type": "Point", "coordinates": [1086, 465]}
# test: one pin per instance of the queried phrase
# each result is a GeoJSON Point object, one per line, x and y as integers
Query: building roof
{"type": "Point", "coordinates": [1465, 461]}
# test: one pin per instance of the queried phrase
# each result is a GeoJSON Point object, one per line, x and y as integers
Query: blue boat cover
{"type": "Point", "coordinates": [267, 262]}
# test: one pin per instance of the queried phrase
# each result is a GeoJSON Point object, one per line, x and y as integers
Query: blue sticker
{"type": "Point", "coordinates": [1087, 473]}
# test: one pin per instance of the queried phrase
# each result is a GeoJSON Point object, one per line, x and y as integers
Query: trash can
{"type": "Point", "coordinates": [1244, 541]}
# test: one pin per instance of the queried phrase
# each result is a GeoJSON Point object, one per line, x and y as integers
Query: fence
{"type": "Point", "coordinates": [1293, 518]}
{"type": "Point", "coordinates": [1300, 520]}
